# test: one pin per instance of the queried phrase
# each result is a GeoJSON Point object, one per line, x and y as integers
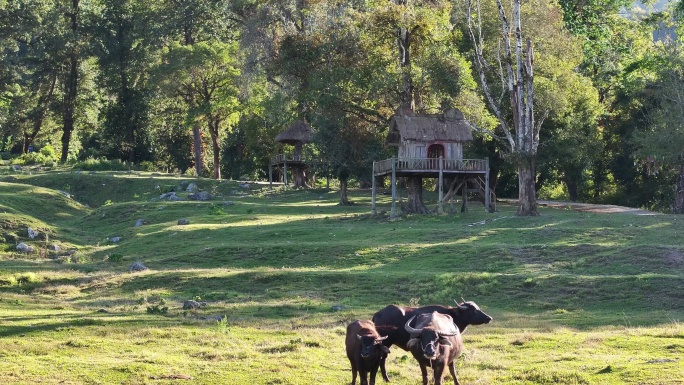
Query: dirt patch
{"type": "Point", "coordinates": [674, 257]}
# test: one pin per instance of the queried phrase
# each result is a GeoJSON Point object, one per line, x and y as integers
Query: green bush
{"type": "Point", "coordinates": [101, 164]}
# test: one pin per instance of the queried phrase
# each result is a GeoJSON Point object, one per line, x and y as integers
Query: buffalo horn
{"type": "Point", "coordinates": [410, 329]}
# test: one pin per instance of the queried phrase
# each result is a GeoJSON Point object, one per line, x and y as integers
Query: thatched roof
{"type": "Point", "coordinates": [299, 132]}
{"type": "Point", "coordinates": [448, 127]}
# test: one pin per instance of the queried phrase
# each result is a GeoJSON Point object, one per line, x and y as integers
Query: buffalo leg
{"type": "Point", "coordinates": [453, 373]}
{"type": "Point", "coordinates": [363, 374]}
{"type": "Point", "coordinates": [423, 371]}
{"type": "Point", "coordinates": [383, 370]}
{"type": "Point", "coordinates": [354, 370]}
{"type": "Point", "coordinates": [373, 373]}
{"type": "Point", "coordinates": [438, 371]}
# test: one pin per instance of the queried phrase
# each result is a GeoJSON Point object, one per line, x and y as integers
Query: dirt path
{"type": "Point", "coordinates": [588, 207]}
{"type": "Point", "coordinates": [592, 208]}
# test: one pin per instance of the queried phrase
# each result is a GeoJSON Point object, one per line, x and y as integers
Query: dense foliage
{"type": "Point", "coordinates": [204, 86]}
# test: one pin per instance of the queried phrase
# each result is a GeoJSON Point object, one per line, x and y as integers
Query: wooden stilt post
{"type": "Point", "coordinates": [488, 198]}
{"type": "Point", "coordinates": [464, 190]}
{"type": "Point", "coordinates": [373, 212]}
{"type": "Point", "coordinates": [270, 175]}
{"type": "Point", "coordinates": [285, 172]}
{"type": "Point", "coordinates": [440, 208]}
{"type": "Point", "coordinates": [393, 211]}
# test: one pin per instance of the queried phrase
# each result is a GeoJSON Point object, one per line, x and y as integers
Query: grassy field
{"type": "Point", "coordinates": [577, 298]}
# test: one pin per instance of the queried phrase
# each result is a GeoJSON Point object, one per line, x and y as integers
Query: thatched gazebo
{"type": "Point", "coordinates": [431, 146]}
{"type": "Point", "coordinates": [298, 134]}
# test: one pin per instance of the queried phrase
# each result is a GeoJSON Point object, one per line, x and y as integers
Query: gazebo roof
{"type": "Point", "coordinates": [299, 132]}
{"type": "Point", "coordinates": [448, 127]}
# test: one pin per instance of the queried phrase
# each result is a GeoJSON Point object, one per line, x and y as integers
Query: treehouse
{"type": "Point", "coordinates": [431, 146]}
{"type": "Point", "coordinates": [296, 160]}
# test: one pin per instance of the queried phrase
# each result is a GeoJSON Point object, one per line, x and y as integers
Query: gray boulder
{"type": "Point", "coordinates": [192, 187]}
{"type": "Point", "coordinates": [24, 248]}
{"type": "Point", "coordinates": [32, 233]}
{"type": "Point", "coordinates": [170, 196]}
{"type": "Point", "coordinates": [114, 239]}
{"type": "Point", "coordinates": [137, 266]}
{"type": "Point", "coordinates": [200, 196]}
{"type": "Point", "coordinates": [139, 223]}
{"type": "Point", "coordinates": [191, 304]}
{"type": "Point", "coordinates": [183, 221]}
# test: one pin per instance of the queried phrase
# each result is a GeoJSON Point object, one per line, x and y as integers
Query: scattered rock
{"type": "Point", "coordinates": [139, 223]}
{"type": "Point", "coordinates": [114, 239]}
{"type": "Point", "coordinates": [54, 247]}
{"type": "Point", "coordinates": [183, 222]}
{"type": "Point", "coordinates": [192, 188]}
{"type": "Point", "coordinates": [228, 203]}
{"type": "Point", "coordinates": [32, 233]}
{"type": "Point", "coordinates": [16, 167]}
{"type": "Point", "coordinates": [200, 196]}
{"type": "Point", "coordinates": [338, 308]}
{"type": "Point", "coordinates": [24, 248]}
{"type": "Point", "coordinates": [162, 207]}
{"type": "Point", "coordinates": [66, 194]}
{"type": "Point", "coordinates": [192, 304]}
{"type": "Point", "coordinates": [137, 266]}
{"type": "Point", "coordinates": [170, 196]}
{"type": "Point", "coordinates": [103, 311]}
{"type": "Point", "coordinates": [245, 185]}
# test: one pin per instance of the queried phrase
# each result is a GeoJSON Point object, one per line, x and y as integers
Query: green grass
{"type": "Point", "coordinates": [577, 298]}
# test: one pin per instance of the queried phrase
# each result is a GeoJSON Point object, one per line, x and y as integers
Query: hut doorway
{"type": "Point", "coordinates": [435, 151]}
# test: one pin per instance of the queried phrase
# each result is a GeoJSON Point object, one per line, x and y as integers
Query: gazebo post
{"type": "Point", "coordinates": [285, 172]}
{"type": "Point", "coordinates": [270, 176]}
{"type": "Point", "coordinates": [488, 199]}
{"type": "Point", "coordinates": [440, 208]}
{"type": "Point", "coordinates": [373, 212]}
{"type": "Point", "coordinates": [393, 211]}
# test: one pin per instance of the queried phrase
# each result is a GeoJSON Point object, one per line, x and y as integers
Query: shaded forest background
{"type": "Point", "coordinates": [204, 86]}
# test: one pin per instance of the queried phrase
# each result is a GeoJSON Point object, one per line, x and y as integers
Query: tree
{"type": "Point", "coordinates": [660, 149]}
{"type": "Point", "coordinates": [122, 42]}
{"type": "Point", "coordinates": [521, 132]}
{"type": "Point", "coordinates": [204, 76]}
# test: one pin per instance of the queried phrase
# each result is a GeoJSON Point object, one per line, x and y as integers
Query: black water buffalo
{"type": "Point", "coordinates": [435, 342]}
{"type": "Point", "coordinates": [365, 350]}
{"type": "Point", "coordinates": [393, 318]}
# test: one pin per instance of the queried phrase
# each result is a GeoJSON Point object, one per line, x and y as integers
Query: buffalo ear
{"type": "Point", "coordinates": [445, 342]}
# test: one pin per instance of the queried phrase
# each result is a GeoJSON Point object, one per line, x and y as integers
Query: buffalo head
{"type": "Point", "coordinates": [369, 344]}
{"type": "Point", "coordinates": [431, 331]}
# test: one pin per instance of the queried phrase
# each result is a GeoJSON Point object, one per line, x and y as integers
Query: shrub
{"type": "Point", "coordinates": [101, 164]}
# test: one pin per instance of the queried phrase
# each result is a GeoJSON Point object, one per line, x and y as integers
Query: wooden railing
{"type": "Point", "coordinates": [288, 158]}
{"type": "Point", "coordinates": [429, 164]}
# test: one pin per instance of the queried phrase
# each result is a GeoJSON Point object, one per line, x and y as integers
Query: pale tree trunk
{"type": "Point", "coordinates": [344, 200]}
{"type": "Point", "coordinates": [522, 134]}
{"type": "Point", "coordinates": [678, 207]}
{"type": "Point", "coordinates": [527, 205]}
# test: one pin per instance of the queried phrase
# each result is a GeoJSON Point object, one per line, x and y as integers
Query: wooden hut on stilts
{"type": "Point", "coordinates": [297, 135]}
{"type": "Point", "coordinates": [431, 146]}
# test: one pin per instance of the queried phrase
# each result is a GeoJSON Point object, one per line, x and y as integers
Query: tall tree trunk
{"type": "Point", "coordinates": [71, 86]}
{"type": "Point", "coordinates": [197, 148]}
{"type": "Point", "coordinates": [215, 146]}
{"type": "Point", "coordinates": [415, 203]}
{"type": "Point", "coordinates": [678, 207]}
{"type": "Point", "coordinates": [527, 200]}
{"type": "Point", "coordinates": [41, 108]}
{"type": "Point", "coordinates": [344, 199]}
